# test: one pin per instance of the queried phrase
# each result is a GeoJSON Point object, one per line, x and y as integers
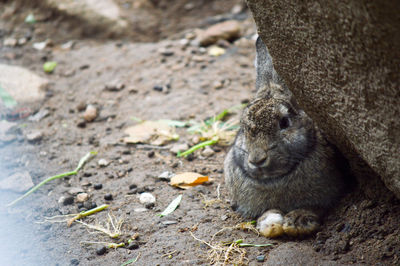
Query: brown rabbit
{"type": "Point", "coordinates": [280, 167]}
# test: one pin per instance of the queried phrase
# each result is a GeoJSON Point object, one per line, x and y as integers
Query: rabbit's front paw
{"type": "Point", "coordinates": [270, 224]}
{"type": "Point", "coordinates": [300, 222]}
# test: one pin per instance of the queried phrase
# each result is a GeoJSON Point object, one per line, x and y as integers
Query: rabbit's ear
{"type": "Point", "coordinates": [266, 73]}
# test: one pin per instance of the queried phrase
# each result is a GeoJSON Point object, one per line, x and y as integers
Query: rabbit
{"type": "Point", "coordinates": [280, 167]}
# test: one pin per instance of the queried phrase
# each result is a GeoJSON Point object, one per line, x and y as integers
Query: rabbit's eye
{"type": "Point", "coordinates": [284, 122]}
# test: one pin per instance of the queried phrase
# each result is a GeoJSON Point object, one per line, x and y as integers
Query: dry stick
{"type": "Point", "coordinates": [83, 160]}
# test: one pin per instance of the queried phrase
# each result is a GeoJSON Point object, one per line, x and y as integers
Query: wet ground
{"type": "Point", "coordinates": [195, 86]}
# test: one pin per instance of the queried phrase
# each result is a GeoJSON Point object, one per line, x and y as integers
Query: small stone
{"type": "Point", "coordinates": [11, 42]}
{"type": "Point", "coordinates": [108, 196]}
{"type": "Point", "coordinates": [207, 152]}
{"type": "Point", "coordinates": [217, 85]}
{"type": "Point", "coordinates": [132, 186]}
{"type": "Point", "coordinates": [166, 176]}
{"type": "Point", "coordinates": [74, 262]}
{"type": "Point", "coordinates": [66, 200]}
{"type": "Point", "coordinates": [34, 136]}
{"type": "Point", "coordinates": [260, 258]}
{"type": "Point", "coordinates": [82, 197]}
{"type": "Point", "coordinates": [149, 205]}
{"type": "Point", "coordinates": [216, 51]}
{"type": "Point", "coordinates": [81, 106]}
{"type": "Point", "coordinates": [90, 113]}
{"type": "Point", "coordinates": [80, 205]}
{"type": "Point", "coordinates": [190, 157]}
{"type": "Point", "coordinates": [140, 210]}
{"type": "Point", "coordinates": [75, 190]}
{"type": "Point", "coordinates": [115, 85]}
{"type": "Point", "coordinates": [81, 123]}
{"type": "Point", "coordinates": [146, 198]}
{"type": "Point", "coordinates": [103, 162]}
{"type": "Point", "coordinates": [93, 205]}
{"type": "Point", "coordinates": [158, 88]}
{"type": "Point", "coordinates": [150, 154]}
{"type": "Point", "coordinates": [133, 245]}
{"type": "Point", "coordinates": [169, 222]}
{"type": "Point", "coordinates": [179, 147]}
{"type": "Point", "coordinates": [227, 30]}
{"type": "Point", "coordinates": [224, 217]}
{"type": "Point", "coordinates": [165, 52]}
{"type": "Point", "coordinates": [22, 41]}
{"type": "Point", "coordinates": [101, 251]}
{"type": "Point", "coordinates": [195, 140]}
{"type": "Point", "coordinates": [98, 186]}
{"type": "Point", "coordinates": [39, 115]}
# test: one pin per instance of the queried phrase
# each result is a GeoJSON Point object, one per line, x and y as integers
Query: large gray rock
{"type": "Point", "coordinates": [341, 59]}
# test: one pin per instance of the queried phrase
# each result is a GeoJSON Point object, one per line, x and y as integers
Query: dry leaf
{"type": "Point", "coordinates": [188, 180]}
{"type": "Point", "coordinates": [151, 132]}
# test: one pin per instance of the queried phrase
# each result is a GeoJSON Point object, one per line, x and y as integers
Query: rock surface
{"type": "Point", "coordinates": [22, 84]}
{"type": "Point", "coordinates": [341, 61]}
{"type": "Point", "coordinates": [228, 30]}
{"type": "Point", "coordinates": [18, 182]}
{"type": "Point", "coordinates": [104, 14]}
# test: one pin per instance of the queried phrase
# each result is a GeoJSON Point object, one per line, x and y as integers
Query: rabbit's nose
{"type": "Point", "coordinates": [257, 159]}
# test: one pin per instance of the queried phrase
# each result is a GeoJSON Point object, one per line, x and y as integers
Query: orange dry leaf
{"type": "Point", "coordinates": [188, 180]}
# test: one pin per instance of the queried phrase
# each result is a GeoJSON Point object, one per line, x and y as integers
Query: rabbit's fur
{"type": "Point", "coordinates": [280, 163]}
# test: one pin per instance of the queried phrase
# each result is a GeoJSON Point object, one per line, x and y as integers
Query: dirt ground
{"type": "Point", "coordinates": [359, 231]}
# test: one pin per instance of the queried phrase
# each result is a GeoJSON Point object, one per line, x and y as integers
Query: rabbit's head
{"type": "Point", "coordinates": [277, 135]}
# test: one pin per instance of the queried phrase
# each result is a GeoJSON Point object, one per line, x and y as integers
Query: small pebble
{"type": "Point", "coordinates": [169, 222]}
{"type": "Point", "coordinates": [81, 107]}
{"type": "Point", "coordinates": [75, 190]}
{"type": "Point", "coordinates": [98, 186]}
{"type": "Point", "coordinates": [101, 251]}
{"type": "Point", "coordinates": [108, 196]}
{"type": "Point", "coordinates": [224, 217]}
{"type": "Point", "coordinates": [93, 205]}
{"type": "Point", "coordinates": [81, 123]}
{"type": "Point", "coordinates": [260, 258]}
{"type": "Point", "coordinates": [132, 186]}
{"type": "Point", "coordinates": [103, 163]}
{"type": "Point", "coordinates": [115, 85]}
{"type": "Point", "coordinates": [82, 197]}
{"type": "Point", "coordinates": [90, 113]}
{"type": "Point", "coordinates": [149, 205]}
{"type": "Point", "coordinates": [150, 154]}
{"type": "Point", "coordinates": [146, 198]}
{"type": "Point", "coordinates": [190, 157]}
{"type": "Point", "coordinates": [165, 176]}
{"type": "Point", "coordinates": [133, 245]}
{"type": "Point", "coordinates": [74, 262]}
{"type": "Point", "coordinates": [80, 205]}
{"type": "Point", "coordinates": [207, 152]}
{"type": "Point", "coordinates": [179, 147]}
{"type": "Point", "coordinates": [66, 200]}
{"type": "Point", "coordinates": [140, 210]}
{"type": "Point", "coordinates": [34, 136]}
{"type": "Point", "coordinates": [158, 88]}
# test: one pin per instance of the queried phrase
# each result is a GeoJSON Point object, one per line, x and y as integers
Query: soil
{"type": "Point", "coordinates": [360, 230]}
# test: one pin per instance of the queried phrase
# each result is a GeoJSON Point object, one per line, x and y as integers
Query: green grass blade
{"type": "Point", "coordinates": [198, 146]}
{"type": "Point", "coordinates": [82, 161]}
